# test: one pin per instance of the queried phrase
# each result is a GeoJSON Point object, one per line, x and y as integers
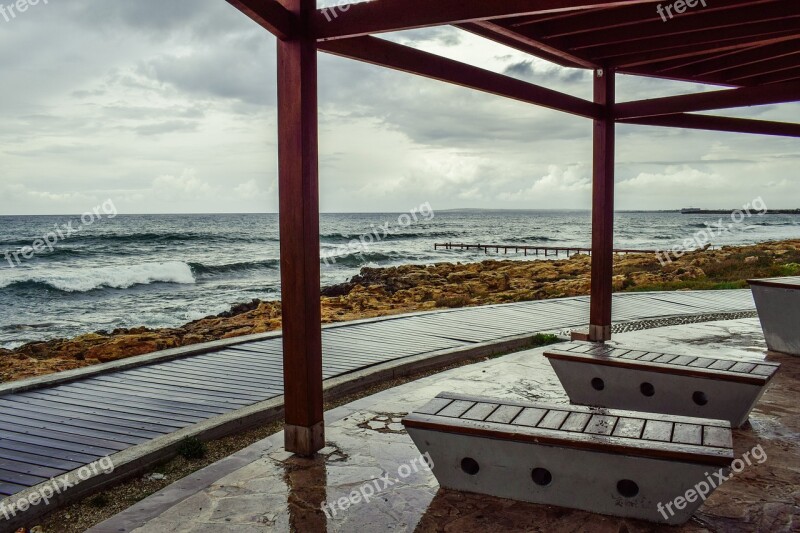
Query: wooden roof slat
{"type": "Point", "coordinates": [576, 23]}
{"type": "Point", "coordinates": [393, 15]}
{"type": "Point", "coordinates": [736, 23]}
{"type": "Point", "coordinates": [503, 35]}
{"type": "Point", "coordinates": [637, 63]}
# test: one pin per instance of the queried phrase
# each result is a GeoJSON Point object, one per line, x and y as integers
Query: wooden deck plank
{"type": "Point", "coordinates": [131, 427]}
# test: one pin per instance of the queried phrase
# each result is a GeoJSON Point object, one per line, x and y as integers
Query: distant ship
{"type": "Point", "coordinates": [686, 210]}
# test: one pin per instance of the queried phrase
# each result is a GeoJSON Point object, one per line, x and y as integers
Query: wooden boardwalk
{"type": "Point", "coordinates": [55, 429]}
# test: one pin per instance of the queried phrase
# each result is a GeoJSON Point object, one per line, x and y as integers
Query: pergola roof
{"type": "Point", "coordinates": [736, 43]}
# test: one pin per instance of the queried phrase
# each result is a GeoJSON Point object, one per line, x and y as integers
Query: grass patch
{"type": "Point", "coordinates": [192, 449]}
{"type": "Point", "coordinates": [694, 285]}
{"type": "Point", "coordinates": [544, 339]}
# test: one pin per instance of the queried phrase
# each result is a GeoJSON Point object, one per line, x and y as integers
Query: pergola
{"type": "Point", "coordinates": [751, 47]}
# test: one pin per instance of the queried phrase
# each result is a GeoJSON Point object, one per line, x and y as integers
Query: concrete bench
{"type": "Point", "coordinates": [656, 382]}
{"type": "Point", "coordinates": [778, 304]}
{"type": "Point", "coordinates": [611, 462]}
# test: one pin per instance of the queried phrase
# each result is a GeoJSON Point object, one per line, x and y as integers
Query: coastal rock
{"type": "Point", "coordinates": [386, 291]}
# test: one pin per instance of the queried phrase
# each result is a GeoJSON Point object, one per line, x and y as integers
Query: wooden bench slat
{"type": "Point", "coordinates": [480, 411]}
{"type": "Point", "coordinates": [658, 430]}
{"type": "Point", "coordinates": [717, 437]}
{"type": "Point", "coordinates": [701, 362]}
{"type": "Point", "coordinates": [649, 356]}
{"type": "Point", "coordinates": [629, 427]}
{"type": "Point", "coordinates": [742, 367]}
{"type": "Point", "coordinates": [763, 370]}
{"type": "Point", "coordinates": [504, 414]}
{"type": "Point", "coordinates": [721, 364]}
{"type": "Point", "coordinates": [576, 422]}
{"type": "Point", "coordinates": [665, 358]}
{"type": "Point", "coordinates": [434, 406]}
{"type": "Point", "coordinates": [683, 360]}
{"type": "Point", "coordinates": [530, 416]}
{"type": "Point", "coordinates": [553, 419]}
{"type": "Point", "coordinates": [456, 408]}
{"type": "Point", "coordinates": [688, 434]}
{"type": "Point", "coordinates": [601, 425]}
{"type": "Point", "coordinates": [634, 354]}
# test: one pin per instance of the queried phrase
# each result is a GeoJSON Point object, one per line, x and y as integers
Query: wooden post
{"type": "Point", "coordinates": [602, 209]}
{"type": "Point", "coordinates": [299, 231]}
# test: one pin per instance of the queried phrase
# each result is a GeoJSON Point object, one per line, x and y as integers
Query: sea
{"type": "Point", "coordinates": [110, 271]}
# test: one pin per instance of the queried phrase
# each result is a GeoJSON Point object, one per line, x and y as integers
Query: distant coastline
{"type": "Point", "coordinates": [698, 211]}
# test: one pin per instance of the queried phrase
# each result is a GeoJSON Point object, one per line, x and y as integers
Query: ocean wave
{"type": "Point", "coordinates": [146, 238]}
{"type": "Point", "coordinates": [363, 259]}
{"type": "Point", "coordinates": [115, 277]}
{"type": "Point", "coordinates": [200, 269]}
{"type": "Point", "coordinates": [400, 235]}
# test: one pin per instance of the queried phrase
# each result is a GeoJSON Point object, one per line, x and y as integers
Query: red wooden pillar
{"type": "Point", "coordinates": [298, 184]}
{"type": "Point", "coordinates": [602, 209]}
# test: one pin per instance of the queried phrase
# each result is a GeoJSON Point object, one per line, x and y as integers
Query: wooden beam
{"type": "Point", "coordinates": [602, 209]}
{"type": "Point", "coordinates": [298, 185]}
{"type": "Point", "coordinates": [269, 14]}
{"type": "Point", "coordinates": [357, 19]}
{"type": "Point", "coordinates": [713, 123]}
{"type": "Point", "coordinates": [513, 39]}
{"type": "Point", "coordinates": [406, 59]}
{"type": "Point", "coordinates": [747, 96]}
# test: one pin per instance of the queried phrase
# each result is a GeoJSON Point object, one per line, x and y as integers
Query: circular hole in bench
{"type": "Point", "coordinates": [627, 488]}
{"type": "Point", "coordinates": [598, 384]}
{"type": "Point", "coordinates": [700, 398]}
{"type": "Point", "coordinates": [542, 476]}
{"type": "Point", "coordinates": [470, 466]}
{"type": "Point", "coordinates": [647, 389]}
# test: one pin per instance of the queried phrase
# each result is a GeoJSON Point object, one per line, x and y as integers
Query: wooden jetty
{"type": "Point", "coordinates": [533, 250]}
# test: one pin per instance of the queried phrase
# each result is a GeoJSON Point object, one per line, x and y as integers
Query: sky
{"type": "Point", "coordinates": [169, 107]}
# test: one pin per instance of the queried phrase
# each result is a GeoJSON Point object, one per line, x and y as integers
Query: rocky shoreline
{"type": "Point", "coordinates": [386, 291]}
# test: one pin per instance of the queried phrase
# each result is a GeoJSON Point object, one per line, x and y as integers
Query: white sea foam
{"type": "Point", "coordinates": [85, 279]}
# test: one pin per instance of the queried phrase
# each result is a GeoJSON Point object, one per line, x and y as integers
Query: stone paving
{"type": "Point", "coordinates": [263, 489]}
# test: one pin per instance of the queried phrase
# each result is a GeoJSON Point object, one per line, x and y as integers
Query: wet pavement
{"type": "Point", "coordinates": [264, 489]}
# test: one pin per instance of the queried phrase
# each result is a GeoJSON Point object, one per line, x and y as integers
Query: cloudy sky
{"type": "Point", "coordinates": [169, 107]}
